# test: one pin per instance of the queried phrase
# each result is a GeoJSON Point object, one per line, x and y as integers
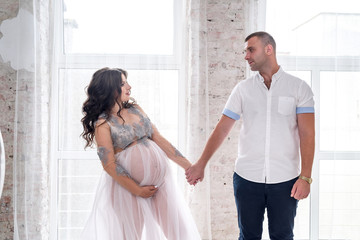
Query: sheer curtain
{"type": "Point", "coordinates": [28, 51]}
{"type": "Point", "coordinates": [321, 45]}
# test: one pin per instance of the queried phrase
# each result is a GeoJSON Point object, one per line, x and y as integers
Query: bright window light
{"type": "Point", "coordinates": [111, 27]}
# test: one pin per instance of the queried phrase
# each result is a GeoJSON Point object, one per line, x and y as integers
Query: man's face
{"type": "Point", "coordinates": [255, 53]}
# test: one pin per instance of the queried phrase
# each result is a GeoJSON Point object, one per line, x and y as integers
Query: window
{"type": "Point", "coordinates": [119, 27]}
{"type": "Point", "coordinates": [320, 44]}
{"type": "Point", "coordinates": [138, 36]}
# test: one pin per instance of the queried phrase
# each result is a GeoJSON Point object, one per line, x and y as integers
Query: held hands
{"type": "Point", "coordinates": [300, 190]}
{"type": "Point", "coordinates": [147, 191]}
{"type": "Point", "coordinates": [195, 173]}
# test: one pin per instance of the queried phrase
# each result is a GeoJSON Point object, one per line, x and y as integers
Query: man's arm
{"type": "Point", "coordinates": [306, 125]}
{"type": "Point", "coordinates": [222, 129]}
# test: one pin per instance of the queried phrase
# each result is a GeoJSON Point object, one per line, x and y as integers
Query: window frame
{"type": "Point", "coordinates": [97, 61]}
{"type": "Point", "coordinates": [316, 65]}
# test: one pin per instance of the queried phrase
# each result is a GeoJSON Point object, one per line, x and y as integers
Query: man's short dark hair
{"type": "Point", "coordinates": [265, 38]}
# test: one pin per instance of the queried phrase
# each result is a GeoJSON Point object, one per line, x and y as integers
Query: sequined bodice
{"type": "Point", "coordinates": [123, 134]}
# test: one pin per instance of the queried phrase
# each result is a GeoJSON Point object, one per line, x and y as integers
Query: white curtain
{"type": "Point", "coordinates": [26, 46]}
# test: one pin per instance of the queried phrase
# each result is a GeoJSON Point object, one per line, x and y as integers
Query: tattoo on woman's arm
{"type": "Point", "coordinates": [177, 152]}
{"type": "Point", "coordinates": [121, 171]}
{"type": "Point", "coordinates": [103, 154]}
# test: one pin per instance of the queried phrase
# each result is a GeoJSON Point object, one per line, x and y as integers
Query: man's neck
{"type": "Point", "coordinates": [268, 73]}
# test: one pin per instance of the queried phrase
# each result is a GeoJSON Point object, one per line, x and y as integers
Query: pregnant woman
{"type": "Point", "coordinates": [137, 197]}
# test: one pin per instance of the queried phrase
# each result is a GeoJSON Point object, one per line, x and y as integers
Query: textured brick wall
{"type": "Point", "coordinates": [8, 10]}
{"type": "Point", "coordinates": [226, 67]}
{"type": "Point", "coordinates": [7, 105]}
{"type": "Point", "coordinates": [217, 33]}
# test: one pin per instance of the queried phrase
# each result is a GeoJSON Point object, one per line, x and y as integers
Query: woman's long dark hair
{"type": "Point", "coordinates": [103, 93]}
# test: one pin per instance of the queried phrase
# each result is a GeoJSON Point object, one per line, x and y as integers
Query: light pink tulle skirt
{"type": "Point", "coordinates": [119, 215]}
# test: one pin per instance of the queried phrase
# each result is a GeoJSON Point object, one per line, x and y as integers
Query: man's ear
{"type": "Point", "coordinates": [269, 49]}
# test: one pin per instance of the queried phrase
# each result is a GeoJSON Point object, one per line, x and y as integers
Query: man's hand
{"type": "Point", "coordinates": [195, 173]}
{"type": "Point", "coordinates": [300, 190]}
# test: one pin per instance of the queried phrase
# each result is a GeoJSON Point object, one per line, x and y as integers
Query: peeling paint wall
{"type": "Point", "coordinates": [217, 34]}
{"type": "Point", "coordinates": [8, 10]}
{"type": "Point", "coordinates": [226, 67]}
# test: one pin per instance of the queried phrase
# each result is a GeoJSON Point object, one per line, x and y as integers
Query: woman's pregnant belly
{"type": "Point", "coordinates": [146, 163]}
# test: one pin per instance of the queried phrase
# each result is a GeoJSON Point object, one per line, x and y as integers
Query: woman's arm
{"type": "Point", "coordinates": [166, 146]}
{"type": "Point", "coordinates": [107, 157]}
{"type": "Point", "coordinates": [169, 149]}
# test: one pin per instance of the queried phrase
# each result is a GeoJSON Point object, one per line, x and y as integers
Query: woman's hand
{"type": "Point", "coordinates": [195, 173]}
{"type": "Point", "coordinates": [147, 191]}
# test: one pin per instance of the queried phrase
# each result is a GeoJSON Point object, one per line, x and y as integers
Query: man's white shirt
{"type": "Point", "coordinates": [268, 148]}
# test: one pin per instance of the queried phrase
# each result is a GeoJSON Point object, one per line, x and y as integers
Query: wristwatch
{"type": "Point", "coordinates": [309, 180]}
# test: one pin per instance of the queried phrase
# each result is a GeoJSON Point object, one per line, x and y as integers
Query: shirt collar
{"type": "Point", "coordinates": [277, 75]}
{"type": "Point", "coordinates": [274, 78]}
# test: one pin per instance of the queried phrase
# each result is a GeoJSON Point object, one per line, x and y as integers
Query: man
{"type": "Point", "coordinates": [277, 110]}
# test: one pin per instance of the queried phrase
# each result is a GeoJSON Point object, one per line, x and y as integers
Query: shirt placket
{"type": "Point", "coordinates": [267, 136]}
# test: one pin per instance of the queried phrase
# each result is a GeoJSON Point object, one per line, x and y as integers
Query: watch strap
{"type": "Point", "coordinates": [308, 180]}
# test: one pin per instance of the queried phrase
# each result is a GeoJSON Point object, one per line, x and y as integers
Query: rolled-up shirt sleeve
{"type": "Point", "coordinates": [233, 106]}
{"type": "Point", "coordinates": [306, 101]}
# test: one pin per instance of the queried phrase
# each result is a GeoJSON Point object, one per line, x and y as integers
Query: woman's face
{"type": "Point", "coordinates": [125, 90]}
